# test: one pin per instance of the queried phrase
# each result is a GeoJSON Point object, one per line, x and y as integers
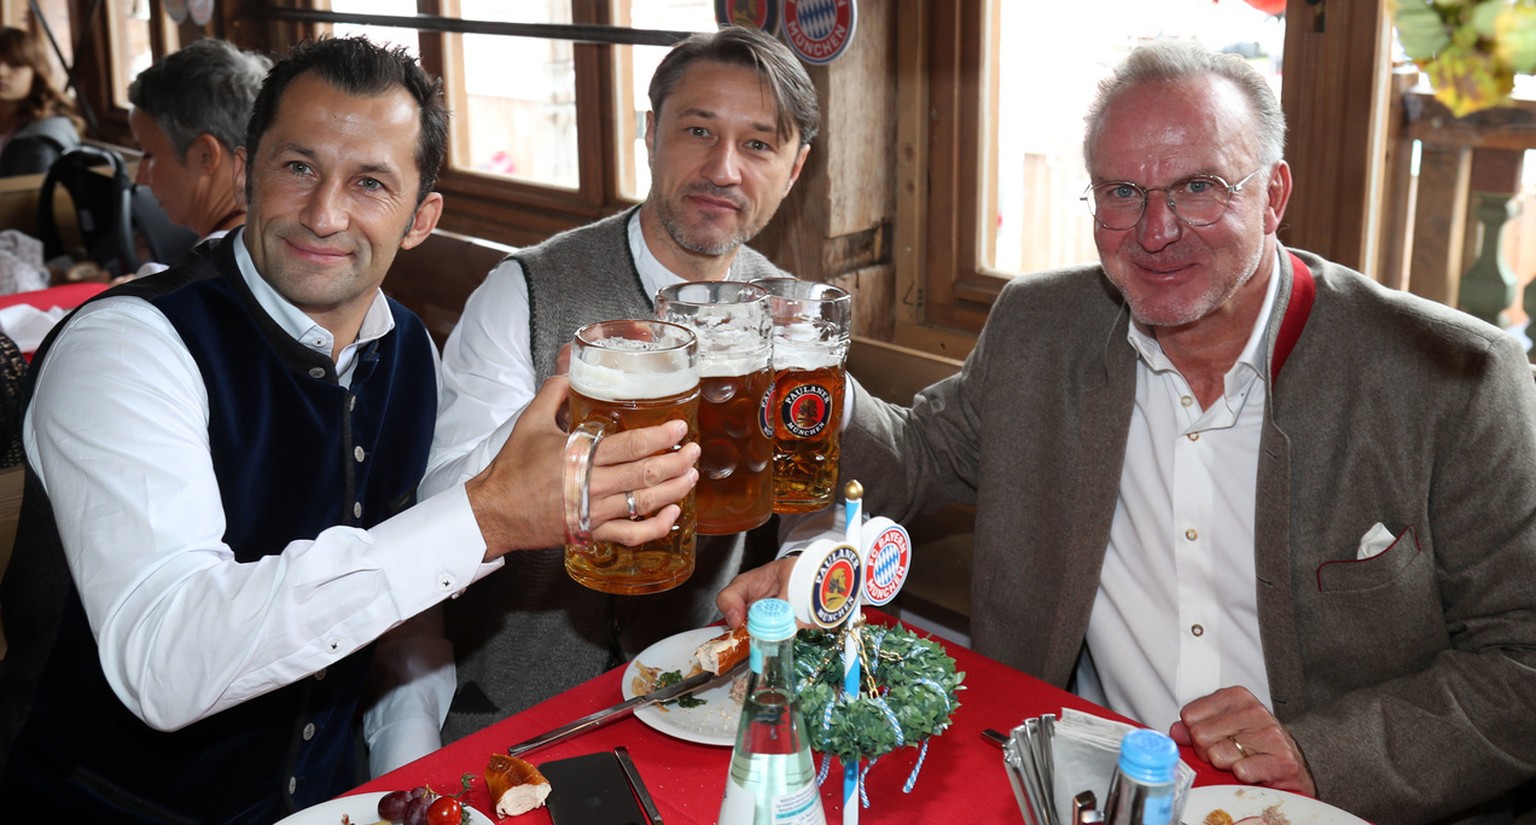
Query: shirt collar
{"type": "Point", "coordinates": [376, 323]}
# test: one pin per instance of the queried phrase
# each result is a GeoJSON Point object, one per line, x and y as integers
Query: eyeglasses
{"type": "Point", "coordinates": [1200, 200]}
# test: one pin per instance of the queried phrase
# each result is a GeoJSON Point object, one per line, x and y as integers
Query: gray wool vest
{"type": "Point", "coordinates": [528, 632]}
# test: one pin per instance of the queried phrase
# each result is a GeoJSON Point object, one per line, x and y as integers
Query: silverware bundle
{"type": "Point", "coordinates": [1060, 768]}
{"type": "Point", "coordinates": [1032, 769]}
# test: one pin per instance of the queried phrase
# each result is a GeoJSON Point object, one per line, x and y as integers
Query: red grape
{"type": "Point", "coordinates": [392, 806]}
{"type": "Point", "coordinates": [416, 811]}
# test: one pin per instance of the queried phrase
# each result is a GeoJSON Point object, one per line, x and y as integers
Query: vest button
{"type": "Point", "coordinates": [358, 453]}
{"type": "Point", "coordinates": [309, 731]}
{"type": "Point", "coordinates": [320, 675]}
{"type": "Point", "coordinates": [293, 784]}
{"type": "Point", "coordinates": [357, 509]}
{"type": "Point", "coordinates": [316, 372]}
{"type": "Point", "coordinates": [351, 403]}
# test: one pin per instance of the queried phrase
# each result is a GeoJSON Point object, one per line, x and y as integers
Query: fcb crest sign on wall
{"type": "Point", "coordinates": [763, 14]}
{"type": "Point", "coordinates": [819, 30]}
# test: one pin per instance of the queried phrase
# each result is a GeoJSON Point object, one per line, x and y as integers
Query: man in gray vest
{"type": "Point", "coordinates": [731, 122]}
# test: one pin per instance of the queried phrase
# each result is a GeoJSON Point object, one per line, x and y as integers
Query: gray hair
{"type": "Point", "coordinates": [793, 93]}
{"type": "Point", "coordinates": [1170, 61]}
{"type": "Point", "coordinates": [208, 87]}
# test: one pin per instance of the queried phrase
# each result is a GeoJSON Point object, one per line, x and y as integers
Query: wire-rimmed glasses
{"type": "Point", "coordinates": [1198, 200]}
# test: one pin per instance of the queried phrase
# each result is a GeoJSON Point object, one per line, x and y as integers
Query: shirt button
{"type": "Point", "coordinates": [293, 784]}
{"type": "Point", "coordinates": [334, 645]}
{"type": "Point", "coordinates": [316, 372]}
{"type": "Point", "coordinates": [1192, 534]}
{"type": "Point", "coordinates": [358, 453]}
{"type": "Point", "coordinates": [309, 731]}
{"type": "Point", "coordinates": [357, 509]}
{"type": "Point", "coordinates": [1187, 401]}
{"type": "Point", "coordinates": [1197, 630]}
{"type": "Point", "coordinates": [320, 675]}
{"type": "Point", "coordinates": [1194, 436]}
{"type": "Point", "coordinates": [444, 582]}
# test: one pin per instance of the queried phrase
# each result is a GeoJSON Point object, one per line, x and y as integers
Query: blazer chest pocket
{"type": "Point", "coordinates": [1380, 570]}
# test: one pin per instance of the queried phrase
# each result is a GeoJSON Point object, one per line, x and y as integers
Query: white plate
{"type": "Point", "coordinates": [1248, 800]}
{"type": "Point", "coordinates": [362, 809]}
{"type": "Point", "coordinates": [712, 723]}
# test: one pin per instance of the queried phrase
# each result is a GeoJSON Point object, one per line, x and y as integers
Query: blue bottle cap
{"type": "Point", "coordinates": [1148, 757]}
{"type": "Point", "coordinates": [771, 620]}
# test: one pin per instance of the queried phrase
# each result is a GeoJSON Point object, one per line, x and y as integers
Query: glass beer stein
{"type": "Point", "coordinates": [810, 343]}
{"type": "Point", "coordinates": [735, 331]}
{"type": "Point", "coordinates": [626, 375]}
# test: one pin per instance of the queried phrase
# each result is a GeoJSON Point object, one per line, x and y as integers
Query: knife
{"type": "Point", "coordinates": [633, 775]}
{"type": "Point", "coordinates": [592, 720]}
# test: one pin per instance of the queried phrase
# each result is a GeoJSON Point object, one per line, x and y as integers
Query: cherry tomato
{"type": "Point", "coordinates": [445, 810]}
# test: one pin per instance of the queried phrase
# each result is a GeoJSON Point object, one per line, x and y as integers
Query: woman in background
{"type": "Point", "coordinates": [37, 122]}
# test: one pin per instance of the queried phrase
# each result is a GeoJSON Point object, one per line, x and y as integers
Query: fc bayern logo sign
{"type": "Point", "coordinates": [819, 30]}
{"type": "Point", "coordinates": [888, 562]}
{"type": "Point", "coordinates": [764, 14]}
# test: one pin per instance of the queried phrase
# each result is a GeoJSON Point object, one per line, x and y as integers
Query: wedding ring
{"type": "Point", "coordinates": [1240, 749]}
{"type": "Point", "coordinates": [634, 512]}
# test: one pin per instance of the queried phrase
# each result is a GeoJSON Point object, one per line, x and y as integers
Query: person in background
{"type": "Point", "coordinates": [226, 454]}
{"type": "Point", "coordinates": [733, 114]}
{"type": "Point", "coordinates": [189, 115]}
{"type": "Point", "coordinates": [37, 122]}
{"type": "Point", "coordinates": [1238, 492]}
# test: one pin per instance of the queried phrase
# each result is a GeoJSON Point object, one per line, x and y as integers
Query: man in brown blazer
{"type": "Point", "coordinates": [1239, 493]}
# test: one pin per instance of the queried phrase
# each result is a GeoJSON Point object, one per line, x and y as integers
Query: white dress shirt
{"type": "Point", "coordinates": [118, 434]}
{"type": "Point", "coordinates": [1176, 615]}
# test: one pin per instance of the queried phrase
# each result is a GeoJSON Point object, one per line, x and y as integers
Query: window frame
{"type": "Point", "coordinates": [1331, 62]}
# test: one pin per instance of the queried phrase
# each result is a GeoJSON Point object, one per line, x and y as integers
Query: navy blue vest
{"type": "Point", "coordinates": [295, 453]}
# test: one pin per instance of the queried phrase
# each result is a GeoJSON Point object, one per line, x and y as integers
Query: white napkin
{"type": "Point", "coordinates": [27, 325]}
{"type": "Point", "coordinates": [1375, 542]}
{"type": "Point", "coordinates": [1086, 748]}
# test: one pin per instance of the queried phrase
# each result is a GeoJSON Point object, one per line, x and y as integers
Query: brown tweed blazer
{"type": "Point", "coordinates": [1408, 680]}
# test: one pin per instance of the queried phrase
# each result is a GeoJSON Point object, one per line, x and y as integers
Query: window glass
{"type": "Point", "coordinates": [131, 50]}
{"type": "Point", "coordinates": [633, 67]}
{"type": "Point", "coordinates": [1033, 219]}
{"type": "Point", "coordinates": [378, 34]}
{"type": "Point", "coordinates": [56, 16]}
{"type": "Point", "coordinates": [518, 113]}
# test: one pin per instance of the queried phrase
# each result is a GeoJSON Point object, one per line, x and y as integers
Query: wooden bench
{"type": "Point", "coordinates": [434, 279]}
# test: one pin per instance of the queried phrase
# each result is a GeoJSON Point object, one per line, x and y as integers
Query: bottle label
{"type": "Point", "coordinates": [802, 807]}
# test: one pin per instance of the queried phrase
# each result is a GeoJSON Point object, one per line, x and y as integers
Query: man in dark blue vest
{"type": "Point", "coordinates": [229, 449]}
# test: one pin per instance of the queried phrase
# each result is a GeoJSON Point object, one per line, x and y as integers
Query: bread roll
{"type": "Point", "coordinates": [516, 786]}
{"type": "Point", "coordinates": [721, 653]}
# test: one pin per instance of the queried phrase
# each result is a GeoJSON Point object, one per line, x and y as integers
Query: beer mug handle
{"type": "Point", "coordinates": [580, 449]}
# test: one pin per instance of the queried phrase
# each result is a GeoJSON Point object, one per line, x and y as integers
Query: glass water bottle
{"type": "Point", "coordinates": [772, 780]}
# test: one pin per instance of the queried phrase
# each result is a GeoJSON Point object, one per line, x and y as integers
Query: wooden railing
{"type": "Point", "coordinates": [1456, 231]}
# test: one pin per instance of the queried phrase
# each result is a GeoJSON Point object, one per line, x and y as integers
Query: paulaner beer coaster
{"type": "Point", "coordinates": [824, 583]}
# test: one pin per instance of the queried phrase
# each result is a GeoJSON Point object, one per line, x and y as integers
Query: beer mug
{"type": "Point", "coordinates": [626, 375]}
{"type": "Point", "coordinates": [735, 331]}
{"type": "Point", "coordinates": [810, 343]}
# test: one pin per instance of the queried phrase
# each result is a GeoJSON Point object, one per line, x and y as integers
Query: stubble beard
{"type": "Point", "coordinates": [690, 240]}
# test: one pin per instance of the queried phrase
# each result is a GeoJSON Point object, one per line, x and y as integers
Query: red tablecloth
{"type": "Point", "coordinates": [66, 296]}
{"type": "Point", "coordinates": [962, 780]}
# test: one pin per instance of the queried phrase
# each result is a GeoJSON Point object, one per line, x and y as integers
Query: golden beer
{"type": "Point", "coordinates": [807, 407]}
{"type": "Point", "coordinates": [617, 385]}
{"type": "Point", "coordinates": [735, 332]}
{"type": "Point", "coordinates": [735, 490]}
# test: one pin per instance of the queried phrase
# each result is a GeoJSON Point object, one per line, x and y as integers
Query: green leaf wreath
{"type": "Point", "coordinates": [908, 691]}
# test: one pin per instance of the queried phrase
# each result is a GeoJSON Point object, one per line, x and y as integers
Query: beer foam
{"type": "Point", "coordinates": [807, 355]}
{"type": "Point", "coordinates": [607, 383]}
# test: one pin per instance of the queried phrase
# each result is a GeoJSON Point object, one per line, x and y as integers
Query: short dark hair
{"type": "Point", "coordinates": [358, 67]}
{"type": "Point", "coordinates": [793, 94]}
{"type": "Point", "coordinates": [208, 87]}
